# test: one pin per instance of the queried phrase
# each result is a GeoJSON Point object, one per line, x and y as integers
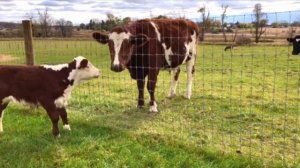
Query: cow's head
{"type": "Point", "coordinates": [121, 45]}
{"type": "Point", "coordinates": [82, 69]}
{"type": "Point", "coordinates": [296, 44]}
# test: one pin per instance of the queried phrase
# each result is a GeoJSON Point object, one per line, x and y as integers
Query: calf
{"type": "Point", "coordinates": [46, 85]}
{"type": "Point", "coordinates": [296, 44]}
{"type": "Point", "coordinates": [146, 46]}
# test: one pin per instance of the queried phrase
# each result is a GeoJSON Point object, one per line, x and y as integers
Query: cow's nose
{"type": "Point", "coordinates": [116, 68]}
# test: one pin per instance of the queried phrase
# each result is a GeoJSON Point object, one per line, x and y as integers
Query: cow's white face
{"type": "Point", "coordinates": [84, 70]}
{"type": "Point", "coordinates": [121, 44]}
{"type": "Point", "coordinates": [120, 50]}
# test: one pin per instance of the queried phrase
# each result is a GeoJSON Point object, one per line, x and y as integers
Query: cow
{"type": "Point", "coordinates": [296, 44]}
{"type": "Point", "coordinates": [47, 85]}
{"type": "Point", "coordinates": [148, 45]}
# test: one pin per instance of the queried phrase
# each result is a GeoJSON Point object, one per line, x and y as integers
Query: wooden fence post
{"type": "Point", "coordinates": [28, 41]}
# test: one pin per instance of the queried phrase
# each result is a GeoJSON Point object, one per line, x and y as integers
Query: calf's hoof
{"type": "Point", "coordinates": [57, 136]}
{"type": "Point", "coordinates": [67, 127]}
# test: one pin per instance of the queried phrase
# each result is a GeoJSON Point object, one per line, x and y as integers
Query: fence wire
{"type": "Point", "coordinates": [245, 101]}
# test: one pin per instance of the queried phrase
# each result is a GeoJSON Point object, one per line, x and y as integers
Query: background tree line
{"type": "Point", "coordinates": [44, 25]}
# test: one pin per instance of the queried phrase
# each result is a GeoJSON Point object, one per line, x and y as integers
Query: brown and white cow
{"type": "Point", "coordinates": [46, 85]}
{"type": "Point", "coordinates": [145, 46]}
{"type": "Point", "coordinates": [296, 44]}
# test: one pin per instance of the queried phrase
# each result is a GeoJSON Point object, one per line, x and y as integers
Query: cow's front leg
{"type": "Point", "coordinates": [190, 69]}
{"type": "Point", "coordinates": [152, 79]}
{"type": "Point", "coordinates": [174, 80]}
{"type": "Point", "coordinates": [64, 116]}
{"type": "Point", "coordinates": [141, 85]}
{"type": "Point", "coordinates": [2, 107]}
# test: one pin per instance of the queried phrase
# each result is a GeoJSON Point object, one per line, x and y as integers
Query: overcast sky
{"type": "Point", "coordinates": [81, 11]}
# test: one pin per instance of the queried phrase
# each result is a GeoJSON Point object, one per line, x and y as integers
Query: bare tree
{"type": "Point", "coordinates": [30, 15]}
{"type": "Point", "coordinates": [45, 22]}
{"type": "Point", "coordinates": [65, 27]}
{"type": "Point", "coordinates": [259, 23]}
{"type": "Point", "coordinates": [235, 34]}
{"type": "Point", "coordinates": [223, 25]}
{"type": "Point", "coordinates": [205, 18]}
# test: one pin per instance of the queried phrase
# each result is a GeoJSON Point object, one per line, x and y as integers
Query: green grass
{"type": "Point", "coordinates": [244, 112]}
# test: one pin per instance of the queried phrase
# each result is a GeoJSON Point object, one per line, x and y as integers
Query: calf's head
{"type": "Point", "coordinates": [296, 44]}
{"type": "Point", "coordinates": [121, 44]}
{"type": "Point", "coordinates": [82, 69]}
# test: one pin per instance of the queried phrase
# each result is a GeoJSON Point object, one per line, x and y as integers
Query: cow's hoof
{"type": "Point", "coordinates": [140, 106]}
{"type": "Point", "coordinates": [153, 108]}
{"type": "Point", "coordinates": [170, 96]}
{"type": "Point", "coordinates": [187, 95]}
{"type": "Point", "coordinates": [67, 127]}
{"type": "Point", "coordinates": [57, 136]}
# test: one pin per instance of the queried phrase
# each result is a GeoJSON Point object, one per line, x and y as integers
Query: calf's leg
{"type": "Point", "coordinates": [64, 116]}
{"type": "Point", "coordinates": [54, 116]}
{"type": "Point", "coordinates": [2, 107]}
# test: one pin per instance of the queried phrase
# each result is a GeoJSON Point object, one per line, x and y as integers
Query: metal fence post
{"type": "Point", "coordinates": [28, 41]}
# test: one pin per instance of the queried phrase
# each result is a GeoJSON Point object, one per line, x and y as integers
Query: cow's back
{"type": "Point", "coordinates": [168, 28]}
{"type": "Point", "coordinates": [174, 28]}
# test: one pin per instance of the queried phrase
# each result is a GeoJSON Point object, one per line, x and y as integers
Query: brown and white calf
{"type": "Point", "coordinates": [46, 85]}
{"type": "Point", "coordinates": [146, 46]}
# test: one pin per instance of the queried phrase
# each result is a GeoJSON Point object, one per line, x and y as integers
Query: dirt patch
{"type": "Point", "coordinates": [6, 58]}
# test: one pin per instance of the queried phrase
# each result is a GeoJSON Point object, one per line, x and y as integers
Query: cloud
{"type": "Point", "coordinates": [52, 3]}
{"type": "Point", "coordinates": [83, 10]}
{"type": "Point", "coordinates": [7, 4]}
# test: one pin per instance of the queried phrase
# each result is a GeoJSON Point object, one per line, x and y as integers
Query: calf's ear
{"type": "Point", "coordinates": [100, 37]}
{"type": "Point", "coordinates": [83, 64]}
{"type": "Point", "coordinates": [139, 40]}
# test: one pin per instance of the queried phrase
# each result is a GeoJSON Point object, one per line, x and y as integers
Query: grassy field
{"type": "Point", "coordinates": [244, 112]}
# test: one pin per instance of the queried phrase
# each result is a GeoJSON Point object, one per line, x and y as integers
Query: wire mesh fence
{"type": "Point", "coordinates": [245, 101]}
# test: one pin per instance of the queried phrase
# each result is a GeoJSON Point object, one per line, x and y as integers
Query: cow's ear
{"type": "Point", "coordinates": [100, 37]}
{"type": "Point", "coordinates": [290, 40]}
{"type": "Point", "coordinates": [139, 40]}
{"type": "Point", "coordinates": [83, 64]}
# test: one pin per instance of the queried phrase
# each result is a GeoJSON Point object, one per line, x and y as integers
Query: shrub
{"type": "Point", "coordinates": [243, 40]}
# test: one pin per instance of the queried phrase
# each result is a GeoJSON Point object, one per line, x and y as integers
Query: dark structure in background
{"type": "Point", "coordinates": [296, 44]}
